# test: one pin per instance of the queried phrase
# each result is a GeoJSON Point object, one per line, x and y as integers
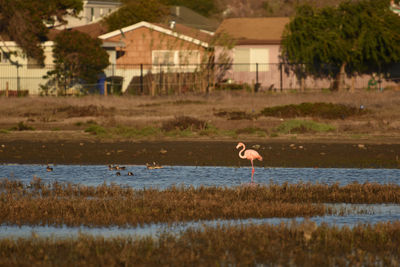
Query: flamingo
{"type": "Point", "coordinates": [249, 154]}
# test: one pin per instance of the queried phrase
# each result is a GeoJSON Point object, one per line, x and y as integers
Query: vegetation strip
{"type": "Point", "coordinates": [286, 244]}
{"type": "Point", "coordinates": [105, 205]}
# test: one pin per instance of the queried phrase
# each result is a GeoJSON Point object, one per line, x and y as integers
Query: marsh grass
{"type": "Point", "coordinates": [138, 112]}
{"type": "Point", "coordinates": [319, 109]}
{"type": "Point", "coordinates": [303, 126]}
{"type": "Point", "coordinates": [289, 244]}
{"type": "Point", "coordinates": [21, 126]}
{"type": "Point", "coordinates": [74, 204]}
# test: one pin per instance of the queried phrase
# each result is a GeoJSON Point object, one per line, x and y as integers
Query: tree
{"type": "Point", "coordinates": [134, 11]}
{"type": "Point", "coordinates": [78, 59]}
{"type": "Point", "coordinates": [25, 21]}
{"type": "Point", "coordinates": [357, 37]}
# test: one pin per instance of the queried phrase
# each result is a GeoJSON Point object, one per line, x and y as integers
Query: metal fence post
{"type": "Point", "coordinates": [256, 73]}
{"type": "Point", "coordinates": [281, 76]}
{"type": "Point", "coordinates": [141, 78]}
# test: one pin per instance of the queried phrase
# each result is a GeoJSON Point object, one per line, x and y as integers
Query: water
{"type": "Point", "coordinates": [195, 176]}
{"type": "Point", "coordinates": [377, 213]}
{"type": "Point", "coordinates": [200, 176]}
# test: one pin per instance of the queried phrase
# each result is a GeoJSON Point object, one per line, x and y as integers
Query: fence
{"type": "Point", "coordinates": [176, 79]}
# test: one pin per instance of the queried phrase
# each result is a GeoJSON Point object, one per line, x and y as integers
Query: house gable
{"type": "Point", "coordinates": [156, 28]}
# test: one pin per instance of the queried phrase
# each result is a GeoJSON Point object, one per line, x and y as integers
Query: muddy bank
{"type": "Point", "coordinates": [201, 153]}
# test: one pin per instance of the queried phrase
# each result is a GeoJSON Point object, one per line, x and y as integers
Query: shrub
{"type": "Point", "coordinates": [184, 123]}
{"type": "Point", "coordinates": [323, 110]}
{"type": "Point", "coordinates": [21, 126]}
{"type": "Point", "coordinates": [303, 126]}
{"type": "Point", "coordinates": [96, 130]}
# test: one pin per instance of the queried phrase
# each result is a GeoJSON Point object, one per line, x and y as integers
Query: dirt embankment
{"type": "Point", "coordinates": [278, 153]}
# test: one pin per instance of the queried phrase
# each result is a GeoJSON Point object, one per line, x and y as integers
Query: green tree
{"type": "Point", "coordinates": [357, 37]}
{"type": "Point", "coordinates": [134, 11]}
{"type": "Point", "coordinates": [25, 22]}
{"type": "Point", "coordinates": [78, 58]}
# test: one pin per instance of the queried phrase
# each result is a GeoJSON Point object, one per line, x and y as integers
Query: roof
{"type": "Point", "coordinates": [190, 18]}
{"type": "Point", "coordinates": [254, 30]}
{"type": "Point", "coordinates": [92, 29]}
{"type": "Point", "coordinates": [179, 31]}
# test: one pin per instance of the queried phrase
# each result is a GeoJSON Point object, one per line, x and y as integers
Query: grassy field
{"type": "Point", "coordinates": [223, 115]}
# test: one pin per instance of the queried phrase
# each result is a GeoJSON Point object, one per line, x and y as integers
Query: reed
{"type": "Point", "coordinates": [285, 245]}
{"type": "Point", "coordinates": [74, 204]}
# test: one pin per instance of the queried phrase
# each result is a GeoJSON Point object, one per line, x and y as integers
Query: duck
{"type": "Point", "coordinates": [153, 166]}
{"type": "Point", "coordinates": [120, 168]}
{"type": "Point", "coordinates": [49, 169]}
{"type": "Point", "coordinates": [112, 168]}
{"type": "Point", "coordinates": [118, 173]}
{"type": "Point", "coordinates": [130, 174]}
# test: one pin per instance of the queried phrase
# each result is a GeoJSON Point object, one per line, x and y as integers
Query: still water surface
{"type": "Point", "coordinates": [197, 176]}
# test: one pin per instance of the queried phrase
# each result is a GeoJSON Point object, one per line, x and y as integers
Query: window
{"type": "Point", "coordinates": [91, 14]}
{"type": "Point", "coordinates": [4, 57]}
{"type": "Point", "coordinates": [245, 59]}
{"type": "Point", "coordinates": [175, 57]}
{"type": "Point", "coordinates": [163, 57]}
{"type": "Point", "coordinates": [241, 59]}
{"type": "Point", "coordinates": [189, 57]}
{"type": "Point", "coordinates": [260, 56]}
{"type": "Point", "coordinates": [120, 53]}
{"type": "Point", "coordinates": [33, 64]}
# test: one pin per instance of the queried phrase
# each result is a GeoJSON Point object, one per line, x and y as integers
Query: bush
{"type": "Point", "coordinates": [21, 126]}
{"type": "Point", "coordinates": [302, 126]}
{"type": "Point", "coordinates": [323, 110]}
{"type": "Point", "coordinates": [184, 123]}
{"type": "Point", "coordinates": [96, 130]}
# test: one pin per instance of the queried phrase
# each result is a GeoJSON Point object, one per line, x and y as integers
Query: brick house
{"type": "Point", "coordinates": [153, 47]}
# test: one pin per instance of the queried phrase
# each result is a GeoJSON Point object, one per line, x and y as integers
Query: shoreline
{"type": "Point", "coordinates": [276, 153]}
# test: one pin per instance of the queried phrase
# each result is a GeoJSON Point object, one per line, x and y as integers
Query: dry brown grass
{"type": "Point", "coordinates": [71, 204]}
{"type": "Point", "coordinates": [281, 245]}
{"type": "Point", "coordinates": [46, 113]}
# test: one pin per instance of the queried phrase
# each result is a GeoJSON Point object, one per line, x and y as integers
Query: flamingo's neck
{"type": "Point", "coordinates": [242, 151]}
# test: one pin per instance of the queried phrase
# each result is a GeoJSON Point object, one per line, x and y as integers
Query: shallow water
{"type": "Point", "coordinates": [195, 176]}
{"type": "Point", "coordinates": [200, 176]}
{"type": "Point", "coordinates": [375, 214]}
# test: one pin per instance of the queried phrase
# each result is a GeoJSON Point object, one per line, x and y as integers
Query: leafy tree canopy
{"type": "Point", "coordinates": [78, 58]}
{"type": "Point", "coordinates": [134, 11]}
{"type": "Point", "coordinates": [25, 21]}
{"type": "Point", "coordinates": [355, 37]}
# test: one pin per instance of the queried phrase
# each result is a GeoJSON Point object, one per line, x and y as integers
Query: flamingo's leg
{"type": "Point", "coordinates": [252, 171]}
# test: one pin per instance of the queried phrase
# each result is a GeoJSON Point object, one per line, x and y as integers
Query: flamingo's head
{"type": "Point", "coordinates": [239, 145]}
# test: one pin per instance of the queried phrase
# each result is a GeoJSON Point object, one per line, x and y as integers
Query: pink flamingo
{"type": "Point", "coordinates": [249, 154]}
